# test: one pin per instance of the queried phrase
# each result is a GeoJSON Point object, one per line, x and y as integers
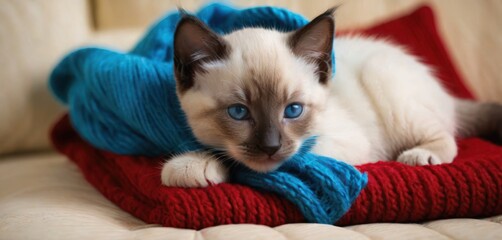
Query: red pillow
{"type": "Point", "coordinates": [469, 187]}
{"type": "Point", "coordinates": [417, 32]}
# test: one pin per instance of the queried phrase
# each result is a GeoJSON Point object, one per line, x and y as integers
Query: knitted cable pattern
{"type": "Point", "coordinates": [469, 187]}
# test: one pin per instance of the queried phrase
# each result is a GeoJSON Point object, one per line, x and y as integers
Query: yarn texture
{"type": "Point", "coordinates": [126, 103]}
{"type": "Point", "coordinates": [469, 187]}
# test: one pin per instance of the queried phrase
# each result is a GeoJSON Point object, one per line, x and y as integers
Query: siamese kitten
{"type": "Point", "coordinates": [258, 94]}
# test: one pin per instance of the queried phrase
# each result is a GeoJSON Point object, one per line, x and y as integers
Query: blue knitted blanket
{"type": "Point", "coordinates": [125, 102]}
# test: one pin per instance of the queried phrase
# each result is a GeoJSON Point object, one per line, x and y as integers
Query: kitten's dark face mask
{"type": "Point", "coordinates": [254, 93]}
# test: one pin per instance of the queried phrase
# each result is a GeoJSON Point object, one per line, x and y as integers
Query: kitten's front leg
{"type": "Point", "coordinates": [194, 169]}
{"type": "Point", "coordinates": [435, 150]}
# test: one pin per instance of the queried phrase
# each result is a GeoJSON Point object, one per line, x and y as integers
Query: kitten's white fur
{"type": "Point", "coordinates": [383, 104]}
{"type": "Point", "coordinates": [193, 169]}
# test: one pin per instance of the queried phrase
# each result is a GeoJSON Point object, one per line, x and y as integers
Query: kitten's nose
{"type": "Point", "coordinates": [270, 150]}
{"type": "Point", "coordinates": [269, 140]}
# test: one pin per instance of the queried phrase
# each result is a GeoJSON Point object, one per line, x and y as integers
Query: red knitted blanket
{"type": "Point", "coordinates": [469, 187]}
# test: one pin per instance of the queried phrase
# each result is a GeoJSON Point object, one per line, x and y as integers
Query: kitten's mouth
{"type": "Point", "coordinates": [263, 163]}
{"type": "Point", "coordinates": [259, 162]}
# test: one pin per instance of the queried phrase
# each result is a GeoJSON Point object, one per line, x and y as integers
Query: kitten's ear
{"type": "Point", "coordinates": [314, 42]}
{"type": "Point", "coordinates": [194, 44]}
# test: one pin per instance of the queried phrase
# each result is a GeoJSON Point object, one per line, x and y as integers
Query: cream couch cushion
{"type": "Point", "coordinates": [36, 204]}
{"type": "Point", "coordinates": [35, 35]}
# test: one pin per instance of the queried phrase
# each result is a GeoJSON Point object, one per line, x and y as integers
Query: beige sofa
{"type": "Point", "coordinates": [43, 195]}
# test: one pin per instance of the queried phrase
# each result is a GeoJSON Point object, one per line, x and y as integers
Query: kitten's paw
{"type": "Point", "coordinates": [193, 170]}
{"type": "Point", "coordinates": [419, 157]}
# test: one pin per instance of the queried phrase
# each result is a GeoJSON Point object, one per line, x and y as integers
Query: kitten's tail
{"type": "Point", "coordinates": [476, 119]}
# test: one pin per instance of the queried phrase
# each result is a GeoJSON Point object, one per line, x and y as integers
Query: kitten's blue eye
{"type": "Point", "coordinates": [238, 112]}
{"type": "Point", "coordinates": [293, 110]}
